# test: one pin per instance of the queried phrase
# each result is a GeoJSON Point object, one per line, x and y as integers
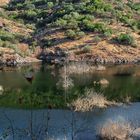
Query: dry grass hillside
{"type": "Point", "coordinates": [3, 2]}
{"type": "Point", "coordinates": [96, 30]}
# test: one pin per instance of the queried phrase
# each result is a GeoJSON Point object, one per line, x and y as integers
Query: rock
{"type": "Point", "coordinates": [104, 82]}
{"type": "Point", "coordinates": [1, 90]}
{"type": "Point", "coordinates": [136, 133]}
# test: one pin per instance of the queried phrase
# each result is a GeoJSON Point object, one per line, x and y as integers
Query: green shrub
{"type": "Point", "coordinates": [135, 6]}
{"type": "Point", "coordinates": [87, 49]}
{"type": "Point", "coordinates": [61, 23]}
{"type": "Point", "coordinates": [80, 34]}
{"type": "Point", "coordinates": [107, 32]}
{"type": "Point", "coordinates": [87, 25]}
{"type": "Point", "coordinates": [6, 36]}
{"type": "Point", "coordinates": [72, 24]}
{"type": "Point", "coordinates": [30, 6]}
{"type": "Point", "coordinates": [50, 5]}
{"type": "Point", "coordinates": [74, 34]}
{"type": "Point", "coordinates": [99, 27]}
{"type": "Point", "coordinates": [29, 15]}
{"type": "Point", "coordinates": [97, 39]}
{"type": "Point", "coordinates": [125, 39]}
{"type": "Point", "coordinates": [71, 34]}
{"type": "Point", "coordinates": [93, 27]}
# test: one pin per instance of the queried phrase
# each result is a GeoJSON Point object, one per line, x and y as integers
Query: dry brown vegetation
{"type": "Point", "coordinates": [90, 101]}
{"type": "Point", "coordinates": [117, 130]}
{"type": "Point", "coordinates": [15, 27]}
{"type": "Point", "coordinates": [80, 68]}
{"type": "Point", "coordinates": [3, 2]}
{"type": "Point", "coordinates": [104, 49]}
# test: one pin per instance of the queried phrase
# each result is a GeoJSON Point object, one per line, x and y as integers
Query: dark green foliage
{"type": "Point", "coordinates": [134, 6]}
{"type": "Point", "coordinates": [74, 34]}
{"type": "Point", "coordinates": [87, 49]}
{"type": "Point", "coordinates": [29, 15]}
{"type": "Point", "coordinates": [6, 36]}
{"type": "Point", "coordinates": [125, 39]}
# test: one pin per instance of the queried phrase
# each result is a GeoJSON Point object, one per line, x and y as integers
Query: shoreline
{"type": "Point", "coordinates": [59, 62]}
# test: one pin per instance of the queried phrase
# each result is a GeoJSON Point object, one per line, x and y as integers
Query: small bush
{"type": "Point", "coordinates": [29, 15]}
{"type": "Point", "coordinates": [87, 49]}
{"type": "Point", "coordinates": [125, 39]}
{"type": "Point", "coordinates": [72, 34]}
{"type": "Point", "coordinates": [6, 36]}
{"type": "Point", "coordinates": [107, 32]}
{"type": "Point", "coordinates": [117, 130]}
{"type": "Point", "coordinates": [80, 34]}
{"type": "Point", "coordinates": [90, 101]}
{"type": "Point", "coordinates": [87, 25]}
{"type": "Point", "coordinates": [97, 39]}
{"type": "Point", "coordinates": [61, 23]}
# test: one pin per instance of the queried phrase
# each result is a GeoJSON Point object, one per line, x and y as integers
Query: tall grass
{"type": "Point", "coordinates": [117, 130]}
{"type": "Point", "coordinates": [80, 68]}
{"type": "Point", "coordinates": [89, 101]}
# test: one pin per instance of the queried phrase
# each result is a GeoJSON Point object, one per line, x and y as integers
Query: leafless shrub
{"type": "Point", "coordinates": [90, 101]}
{"type": "Point", "coordinates": [80, 68]}
{"type": "Point", "coordinates": [116, 130]}
{"type": "Point", "coordinates": [65, 82]}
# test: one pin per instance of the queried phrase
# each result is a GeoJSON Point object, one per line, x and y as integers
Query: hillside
{"type": "Point", "coordinates": [96, 30]}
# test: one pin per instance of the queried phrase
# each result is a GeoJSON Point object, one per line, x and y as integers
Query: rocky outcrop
{"type": "Point", "coordinates": [56, 56]}
{"type": "Point", "coordinates": [136, 133]}
{"type": "Point", "coordinates": [1, 90]}
{"type": "Point", "coordinates": [9, 57]}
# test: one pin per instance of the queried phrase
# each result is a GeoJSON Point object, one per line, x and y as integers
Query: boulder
{"type": "Point", "coordinates": [104, 82]}
{"type": "Point", "coordinates": [1, 89]}
{"type": "Point", "coordinates": [136, 133]}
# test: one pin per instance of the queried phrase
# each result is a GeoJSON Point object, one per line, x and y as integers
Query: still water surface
{"type": "Point", "coordinates": [124, 82]}
{"type": "Point", "coordinates": [23, 104]}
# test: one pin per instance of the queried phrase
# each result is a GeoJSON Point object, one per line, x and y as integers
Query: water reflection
{"type": "Point", "coordinates": [44, 81]}
{"type": "Point", "coordinates": [35, 87]}
{"type": "Point", "coordinates": [61, 124]}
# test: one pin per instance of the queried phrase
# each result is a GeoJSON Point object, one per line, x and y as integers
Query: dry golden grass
{"type": "Point", "coordinates": [16, 27]}
{"type": "Point", "coordinates": [90, 101]}
{"type": "Point", "coordinates": [3, 2]}
{"type": "Point", "coordinates": [80, 68]}
{"type": "Point", "coordinates": [105, 49]}
{"type": "Point", "coordinates": [119, 130]}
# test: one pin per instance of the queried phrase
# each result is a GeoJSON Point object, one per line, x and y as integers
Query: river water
{"type": "Point", "coordinates": [24, 103]}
